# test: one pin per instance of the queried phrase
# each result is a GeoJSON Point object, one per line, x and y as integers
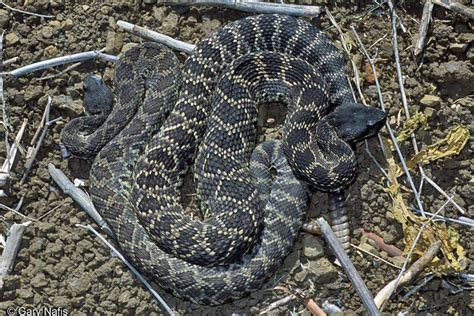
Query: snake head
{"type": "Point", "coordinates": [354, 122]}
{"type": "Point", "coordinates": [98, 99]}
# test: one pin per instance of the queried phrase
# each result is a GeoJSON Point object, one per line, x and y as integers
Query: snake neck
{"type": "Point", "coordinates": [316, 153]}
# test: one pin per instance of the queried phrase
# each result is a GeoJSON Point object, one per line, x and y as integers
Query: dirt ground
{"type": "Point", "coordinates": [62, 266]}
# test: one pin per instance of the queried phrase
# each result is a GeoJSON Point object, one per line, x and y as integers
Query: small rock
{"type": "Point", "coordinates": [124, 297]}
{"type": "Point", "coordinates": [50, 51]}
{"type": "Point", "coordinates": [292, 261]}
{"type": "Point", "coordinates": [114, 43]}
{"type": "Point", "coordinates": [312, 247]}
{"type": "Point", "coordinates": [170, 24]}
{"type": "Point", "coordinates": [458, 48]}
{"type": "Point", "coordinates": [33, 93]}
{"type": "Point", "coordinates": [429, 111]}
{"type": "Point", "coordinates": [4, 19]}
{"type": "Point", "coordinates": [430, 100]}
{"type": "Point", "coordinates": [85, 7]}
{"type": "Point", "coordinates": [39, 281]}
{"type": "Point", "coordinates": [467, 37]}
{"type": "Point", "coordinates": [270, 121]}
{"type": "Point", "coordinates": [11, 39]}
{"type": "Point", "coordinates": [47, 32]}
{"type": "Point", "coordinates": [11, 282]}
{"type": "Point", "coordinates": [67, 25]}
{"type": "Point", "coordinates": [24, 293]}
{"type": "Point", "coordinates": [80, 285]}
{"type": "Point", "coordinates": [323, 270]}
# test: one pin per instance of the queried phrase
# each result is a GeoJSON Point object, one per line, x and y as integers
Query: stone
{"type": "Point", "coordinates": [430, 100]}
{"type": "Point", "coordinates": [312, 247]}
{"type": "Point", "coordinates": [4, 19]}
{"type": "Point", "coordinates": [114, 43]}
{"type": "Point", "coordinates": [467, 37]}
{"type": "Point", "coordinates": [47, 32]}
{"type": "Point", "coordinates": [323, 270]}
{"type": "Point", "coordinates": [124, 297]}
{"type": "Point", "coordinates": [79, 286]}
{"type": "Point", "coordinates": [33, 92]}
{"type": "Point", "coordinates": [170, 24]}
{"type": "Point", "coordinates": [292, 261]}
{"type": "Point", "coordinates": [11, 39]}
{"type": "Point", "coordinates": [39, 281]}
{"type": "Point", "coordinates": [67, 25]}
{"type": "Point", "coordinates": [458, 47]}
{"type": "Point", "coordinates": [50, 51]}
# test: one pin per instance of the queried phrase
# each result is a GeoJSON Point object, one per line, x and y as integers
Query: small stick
{"type": "Point", "coordinates": [16, 210]}
{"type": "Point", "coordinates": [79, 196]}
{"type": "Point", "coordinates": [156, 37]}
{"type": "Point", "coordinates": [6, 125]}
{"type": "Point", "coordinates": [375, 256]}
{"type": "Point", "coordinates": [45, 64]}
{"type": "Point", "coordinates": [131, 267]}
{"type": "Point", "coordinates": [348, 266]}
{"type": "Point", "coordinates": [33, 151]}
{"type": "Point", "coordinates": [10, 61]}
{"type": "Point", "coordinates": [10, 251]}
{"type": "Point", "coordinates": [69, 68]}
{"type": "Point", "coordinates": [460, 220]}
{"type": "Point", "coordinates": [11, 155]}
{"type": "Point", "coordinates": [456, 7]}
{"type": "Point", "coordinates": [409, 275]}
{"type": "Point", "coordinates": [424, 25]}
{"type": "Point", "coordinates": [405, 263]}
{"type": "Point", "coordinates": [26, 12]}
{"type": "Point", "coordinates": [253, 6]}
{"type": "Point", "coordinates": [275, 304]}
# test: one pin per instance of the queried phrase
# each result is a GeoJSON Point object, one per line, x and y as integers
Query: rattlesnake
{"type": "Point", "coordinates": [154, 132]}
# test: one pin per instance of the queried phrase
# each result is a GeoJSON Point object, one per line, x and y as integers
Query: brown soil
{"type": "Point", "coordinates": [63, 266]}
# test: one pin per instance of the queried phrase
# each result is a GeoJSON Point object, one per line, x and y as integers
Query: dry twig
{"type": "Point", "coordinates": [131, 267]}
{"type": "Point", "coordinates": [409, 275]}
{"type": "Point", "coordinates": [26, 12]}
{"type": "Point", "coordinates": [36, 145]}
{"type": "Point", "coordinates": [156, 37]}
{"type": "Point", "coordinates": [456, 7]}
{"type": "Point", "coordinates": [253, 6]}
{"type": "Point", "coordinates": [10, 251]}
{"type": "Point", "coordinates": [351, 271]}
{"type": "Point", "coordinates": [424, 25]}
{"type": "Point", "coordinates": [10, 159]}
{"type": "Point", "coordinates": [79, 196]}
{"type": "Point", "coordinates": [45, 64]}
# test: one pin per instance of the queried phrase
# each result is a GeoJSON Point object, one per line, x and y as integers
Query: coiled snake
{"type": "Point", "coordinates": [162, 121]}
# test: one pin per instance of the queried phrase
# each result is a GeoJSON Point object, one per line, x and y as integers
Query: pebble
{"type": "Point", "coordinates": [312, 247]}
{"type": "Point", "coordinates": [323, 270]}
{"type": "Point", "coordinates": [47, 32]}
{"type": "Point", "coordinates": [39, 281]}
{"type": "Point", "coordinates": [67, 24]}
{"type": "Point", "coordinates": [4, 19]}
{"type": "Point", "coordinates": [114, 43]}
{"type": "Point", "coordinates": [170, 24]}
{"type": "Point", "coordinates": [430, 100]}
{"type": "Point", "coordinates": [11, 39]}
{"type": "Point", "coordinates": [50, 51]}
{"type": "Point", "coordinates": [458, 47]}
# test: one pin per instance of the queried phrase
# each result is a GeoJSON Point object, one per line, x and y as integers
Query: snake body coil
{"type": "Point", "coordinates": [251, 217]}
